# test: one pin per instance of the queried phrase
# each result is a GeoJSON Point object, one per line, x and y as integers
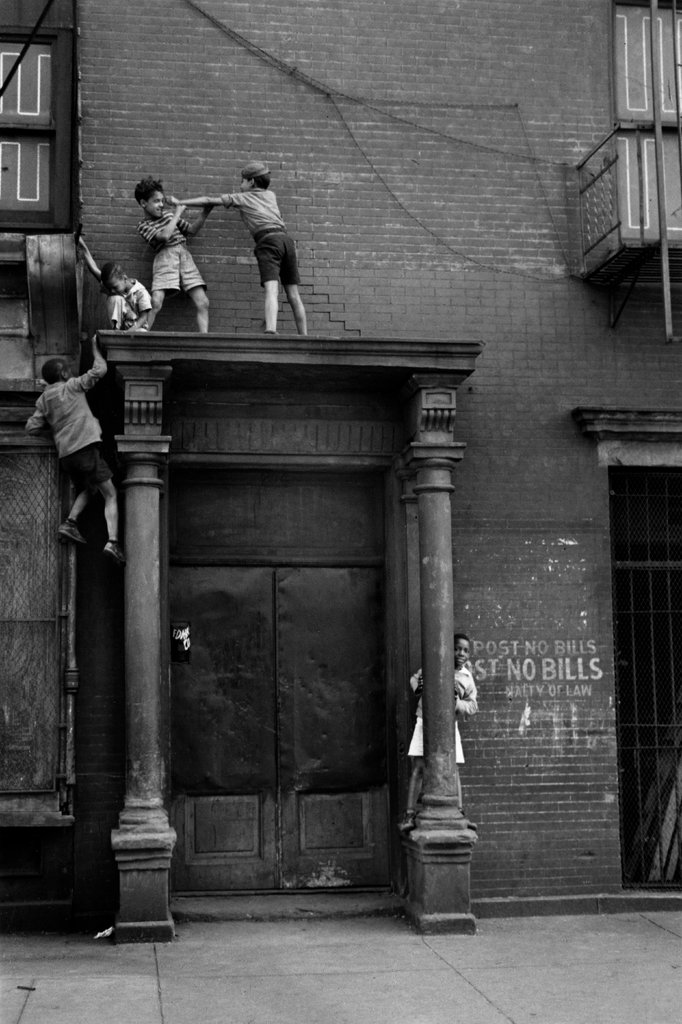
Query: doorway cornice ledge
{"type": "Point", "coordinates": [226, 359]}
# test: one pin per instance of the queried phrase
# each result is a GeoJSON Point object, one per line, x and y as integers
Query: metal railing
{"type": "Point", "coordinates": [598, 194]}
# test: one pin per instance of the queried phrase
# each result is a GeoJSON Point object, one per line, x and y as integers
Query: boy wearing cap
{"type": "Point", "coordinates": [275, 249]}
{"type": "Point", "coordinates": [166, 232]}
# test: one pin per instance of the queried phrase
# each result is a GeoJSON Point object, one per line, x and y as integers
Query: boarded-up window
{"type": "Point", "coordinates": [29, 622]}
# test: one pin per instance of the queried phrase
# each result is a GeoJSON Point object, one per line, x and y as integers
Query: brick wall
{"type": "Point", "coordinates": [422, 155]}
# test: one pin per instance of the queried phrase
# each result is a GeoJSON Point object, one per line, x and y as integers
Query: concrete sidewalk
{"type": "Point", "coordinates": [610, 969]}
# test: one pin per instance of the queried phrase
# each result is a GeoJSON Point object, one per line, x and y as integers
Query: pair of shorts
{"type": "Point", "coordinates": [122, 313]}
{"type": "Point", "coordinates": [86, 467]}
{"type": "Point", "coordinates": [175, 270]}
{"type": "Point", "coordinates": [277, 261]}
{"type": "Point", "coordinates": [417, 742]}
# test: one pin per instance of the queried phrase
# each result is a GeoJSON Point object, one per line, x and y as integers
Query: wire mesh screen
{"type": "Point", "coordinates": [29, 604]}
{"type": "Point", "coordinates": [646, 533]}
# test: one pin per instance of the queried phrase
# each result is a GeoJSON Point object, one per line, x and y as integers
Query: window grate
{"type": "Point", "coordinates": [646, 537]}
{"type": "Point", "coordinates": [29, 623]}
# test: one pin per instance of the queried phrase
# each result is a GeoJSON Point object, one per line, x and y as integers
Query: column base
{"type": "Point", "coordinates": [438, 862]}
{"type": "Point", "coordinates": [144, 931]}
{"type": "Point", "coordinates": [143, 857]}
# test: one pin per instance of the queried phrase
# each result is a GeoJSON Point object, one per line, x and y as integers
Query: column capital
{"type": "Point", "coordinates": [153, 447]}
{"type": "Point", "coordinates": [143, 388]}
{"type": "Point", "coordinates": [430, 404]}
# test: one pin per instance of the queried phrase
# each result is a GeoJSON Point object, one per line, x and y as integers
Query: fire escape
{"type": "Point", "coordinates": [630, 182]}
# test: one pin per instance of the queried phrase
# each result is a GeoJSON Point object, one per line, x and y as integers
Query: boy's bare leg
{"type": "Point", "coordinates": [200, 299]}
{"type": "Point", "coordinates": [271, 305]}
{"type": "Point", "coordinates": [108, 492]}
{"type": "Point", "coordinates": [297, 307]}
{"type": "Point", "coordinates": [69, 529]}
{"type": "Point", "coordinates": [79, 504]}
{"type": "Point", "coordinates": [415, 786]}
{"type": "Point", "coordinates": [413, 791]}
{"type": "Point", "coordinates": [157, 298]}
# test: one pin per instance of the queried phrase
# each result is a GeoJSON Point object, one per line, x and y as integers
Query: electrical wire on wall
{"type": "Point", "coordinates": [336, 97]}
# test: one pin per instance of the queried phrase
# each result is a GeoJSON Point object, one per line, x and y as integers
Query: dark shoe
{"type": "Point", "coordinates": [115, 552]}
{"type": "Point", "coordinates": [71, 532]}
{"type": "Point", "coordinates": [408, 822]}
{"type": "Point", "coordinates": [270, 332]}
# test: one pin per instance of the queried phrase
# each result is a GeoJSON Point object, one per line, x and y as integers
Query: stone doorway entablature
{"type": "Point", "coordinates": [395, 401]}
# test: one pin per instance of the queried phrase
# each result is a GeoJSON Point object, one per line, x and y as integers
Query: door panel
{"type": "Point", "coordinates": [278, 730]}
{"type": "Point", "coordinates": [223, 730]}
{"type": "Point", "coordinates": [331, 727]}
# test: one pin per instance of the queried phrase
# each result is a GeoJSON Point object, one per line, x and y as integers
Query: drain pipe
{"type": "Point", "coordinates": [655, 38]}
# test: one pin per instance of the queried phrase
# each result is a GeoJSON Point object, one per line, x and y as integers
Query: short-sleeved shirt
{"type": "Point", "coordinates": [257, 208]}
{"type": "Point", "coordinates": [149, 229]}
{"type": "Point", "coordinates": [63, 408]}
{"type": "Point", "coordinates": [127, 308]}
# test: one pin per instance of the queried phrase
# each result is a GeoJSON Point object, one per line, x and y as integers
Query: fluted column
{"type": "Point", "coordinates": [439, 849]}
{"type": "Point", "coordinates": [144, 841]}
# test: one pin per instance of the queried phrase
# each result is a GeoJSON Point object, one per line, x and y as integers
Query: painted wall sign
{"type": "Point", "coordinates": [540, 668]}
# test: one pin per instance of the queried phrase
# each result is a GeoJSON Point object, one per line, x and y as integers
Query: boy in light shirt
{"type": "Point", "coordinates": [275, 249]}
{"type": "Point", "coordinates": [465, 705]}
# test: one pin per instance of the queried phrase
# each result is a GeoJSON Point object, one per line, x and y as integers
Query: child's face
{"type": "Point", "coordinates": [245, 184]}
{"type": "Point", "coordinates": [461, 651]}
{"type": "Point", "coordinates": [118, 284]}
{"type": "Point", "coordinates": [153, 207]}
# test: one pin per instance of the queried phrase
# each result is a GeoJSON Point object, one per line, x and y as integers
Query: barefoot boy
{"type": "Point", "coordinates": [166, 231]}
{"type": "Point", "coordinates": [129, 304]}
{"type": "Point", "coordinates": [63, 410]}
{"type": "Point", "coordinates": [275, 249]}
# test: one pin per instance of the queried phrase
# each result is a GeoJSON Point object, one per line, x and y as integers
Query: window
{"type": "Point", "coordinates": [634, 100]}
{"type": "Point", "coordinates": [646, 536]}
{"type": "Point", "coordinates": [29, 622]}
{"type": "Point", "coordinates": [35, 121]}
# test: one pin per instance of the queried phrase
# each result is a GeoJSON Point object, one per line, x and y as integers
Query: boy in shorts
{"type": "Point", "coordinates": [166, 231]}
{"type": "Point", "coordinates": [64, 411]}
{"type": "Point", "coordinates": [275, 248]}
{"type": "Point", "coordinates": [129, 304]}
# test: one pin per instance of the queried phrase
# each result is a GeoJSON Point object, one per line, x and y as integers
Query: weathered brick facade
{"type": "Point", "coordinates": [423, 156]}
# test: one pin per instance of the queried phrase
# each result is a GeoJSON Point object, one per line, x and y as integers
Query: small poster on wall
{"type": "Point", "coordinates": [181, 641]}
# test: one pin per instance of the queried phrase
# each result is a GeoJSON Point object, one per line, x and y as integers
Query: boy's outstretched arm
{"type": "Point", "coordinates": [196, 225]}
{"type": "Point", "coordinates": [88, 258]}
{"type": "Point", "coordinates": [164, 233]}
{"type": "Point", "coordinates": [200, 201]}
{"type": "Point", "coordinates": [99, 364]}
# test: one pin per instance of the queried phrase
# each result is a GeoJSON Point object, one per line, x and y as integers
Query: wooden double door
{"type": "Point", "coordinates": [278, 728]}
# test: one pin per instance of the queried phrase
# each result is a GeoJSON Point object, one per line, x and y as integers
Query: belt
{"type": "Point", "coordinates": [268, 231]}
